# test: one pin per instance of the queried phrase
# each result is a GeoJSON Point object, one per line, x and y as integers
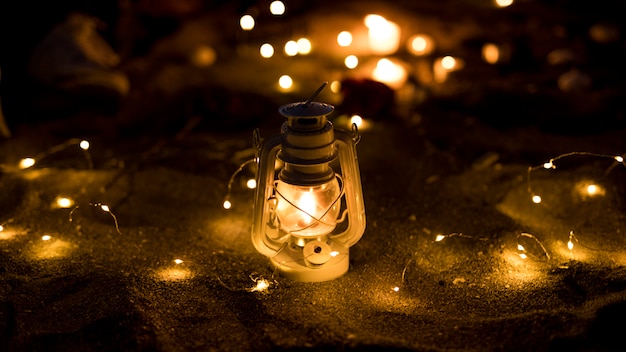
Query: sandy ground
{"type": "Point", "coordinates": [447, 189]}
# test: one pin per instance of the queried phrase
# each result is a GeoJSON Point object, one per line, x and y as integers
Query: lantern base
{"type": "Point", "coordinates": [317, 261]}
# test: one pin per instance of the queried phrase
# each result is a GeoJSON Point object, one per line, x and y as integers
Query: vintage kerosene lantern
{"type": "Point", "coordinates": [306, 214]}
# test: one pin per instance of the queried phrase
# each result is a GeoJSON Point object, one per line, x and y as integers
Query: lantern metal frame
{"type": "Point", "coordinates": [308, 144]}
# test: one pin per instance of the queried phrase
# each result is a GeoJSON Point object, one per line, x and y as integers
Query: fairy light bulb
{"type": "Point", "coordinates": [291, 48]}
{"type": "Point", "coordinates": [251, 183]}
{"type": "Point", "coordinates": [351, 61]}
{"type": "Point", "coordinates": [46, 238]}
{"type": "Point", "coordinates": [304, 46]}
{"type": "Point", "coordinates": [178, 261]}
{"type": "Point", "coordinates": [285, 82]}
{"type": "Point", "coordinates": [277, 8]}
{"type": "Point", "coordinates": [84, 145]}
{"type": "Point", "coordinates": [549, 165]}
{"type": "Point", "coordinates": [266, 50]}
{"type": "Point", "coordinates": [440, 238]}
{"type": "Point", "coordinates": [356, 120]}
{"type": "Point", "coordinates": [619, 159]}
{"type": "Point", "coordinates": [297, 209]}
{"type": "Point", "coordinates": [64, 202]}
{"type": "Point", "coordinates": [26, 163]}
{"type": "Point", "coordinates": [536, 199]}
{"type": "Point", "coordinates": [246, 22]}
{"type": "Point", "coordinates": [344, 39]}
{"type": "Point", "coordinates": [227, 204]}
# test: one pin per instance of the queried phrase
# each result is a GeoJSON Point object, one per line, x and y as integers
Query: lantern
{"type": "Point", "coordinates": [309, 211]}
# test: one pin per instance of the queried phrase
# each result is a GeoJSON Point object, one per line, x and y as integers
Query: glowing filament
{"type": "Point", "coordinates": [344, 38]}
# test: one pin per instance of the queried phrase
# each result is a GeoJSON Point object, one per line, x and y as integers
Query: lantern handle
{"type": "Point", "coordinates": [356, 136]}
{"type": "Point", "coordinates": [308, 101]}
{"type": "Point", "coordinates": [256, 139]}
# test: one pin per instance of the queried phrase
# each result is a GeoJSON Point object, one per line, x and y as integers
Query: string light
{"type": "Point", "coordinates": [590, 189]}
{"type": "Point", "coordinates": [227, 204]}
{"type": "Point", "coordinates": [178, 261]}
{"type": "Point", "coordinates": [83, 144]}
{"type": "Point", "coordinates": [441, 237]}
{"type": "Point", "coordinates": [105, 208]}
{"type": "Point", "coordinates": [526, 251]}
{"type": "Point", "coordinates": [46, 238]}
